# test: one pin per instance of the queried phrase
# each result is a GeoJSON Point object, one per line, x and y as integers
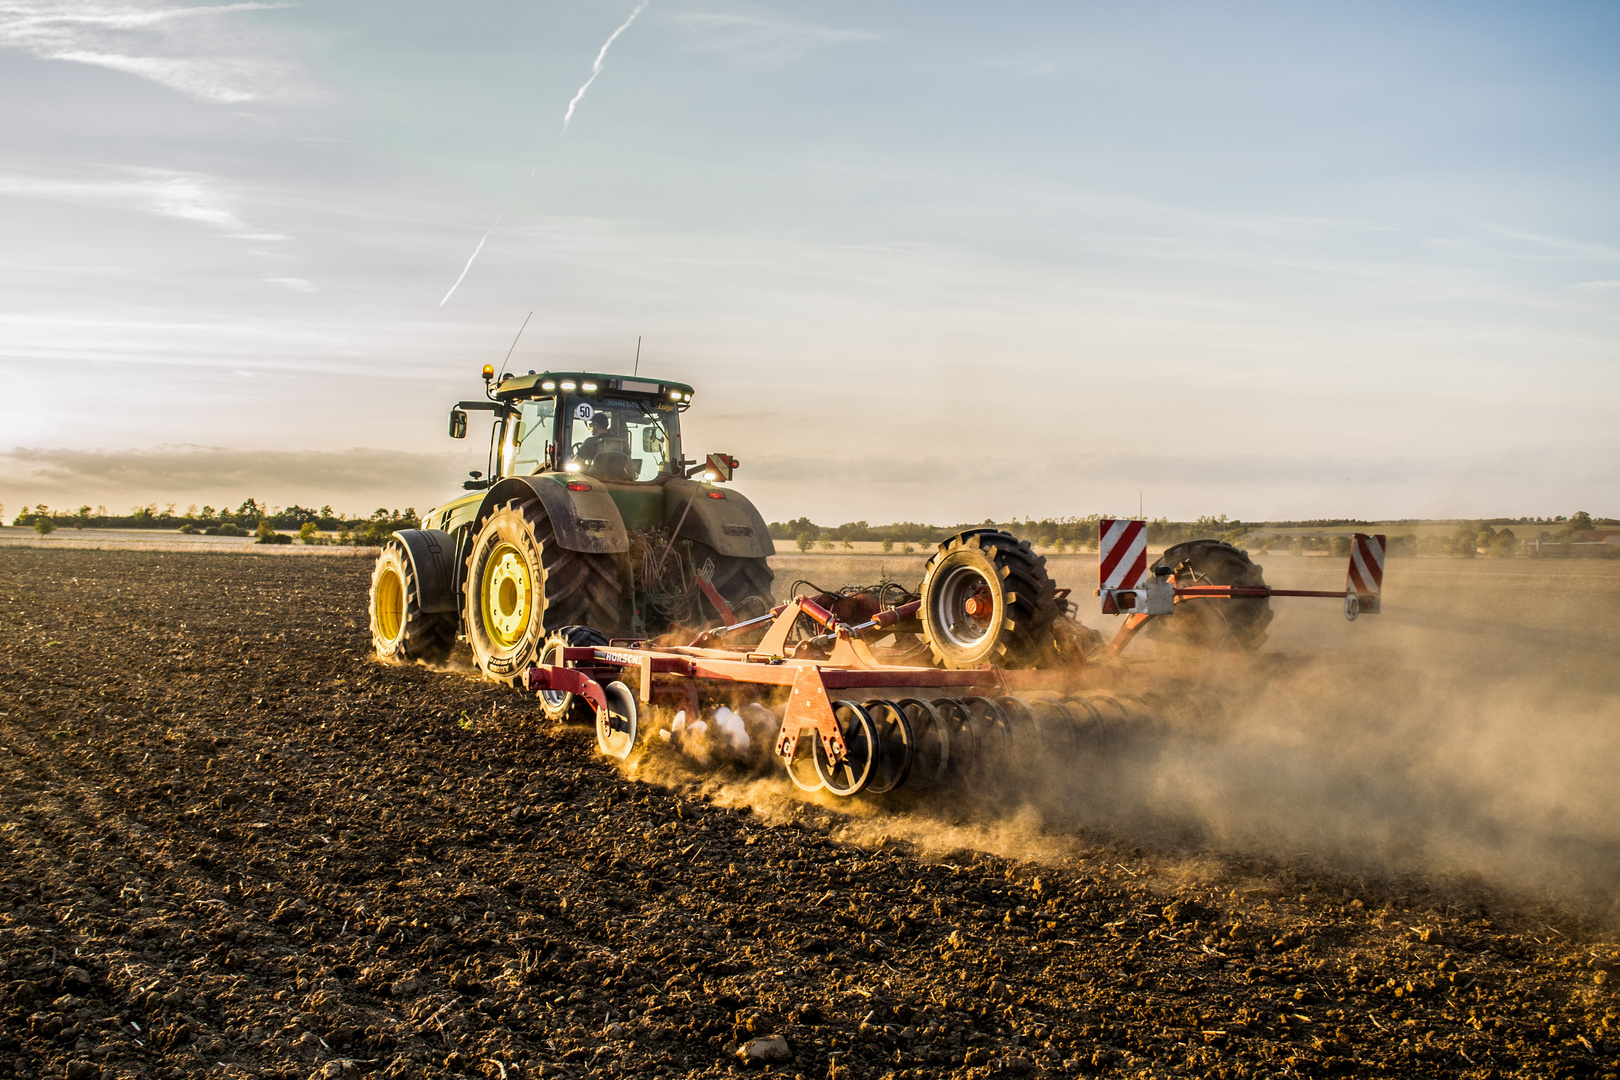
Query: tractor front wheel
{"type": "Point", "coordinates": [400, 629]}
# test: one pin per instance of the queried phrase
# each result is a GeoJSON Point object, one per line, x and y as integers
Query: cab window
{"type": "Point", "coordinates": [528, 447]}
{"type": "Point", "coordinates": [617, 439]}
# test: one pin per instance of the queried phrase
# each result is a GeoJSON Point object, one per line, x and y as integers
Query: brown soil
{"type": "Point", "coordinates": [236, 844]}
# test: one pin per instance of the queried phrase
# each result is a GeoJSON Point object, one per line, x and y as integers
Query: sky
{"type": "Point", "coordinates": [923, 261]}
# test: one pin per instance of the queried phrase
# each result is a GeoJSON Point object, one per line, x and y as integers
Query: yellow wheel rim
{"type": "Point", "coordinates": [390, 602]}
{"type": "Point", "coordinates": [508, 594]}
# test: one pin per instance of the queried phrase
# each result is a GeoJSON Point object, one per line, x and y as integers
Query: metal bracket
{"type": "Point", "coordinates": [568, 680]}
{"type": "Point", "coordinates": [775, 640]}
{"type": "Point", "coordinates": [808, 706]}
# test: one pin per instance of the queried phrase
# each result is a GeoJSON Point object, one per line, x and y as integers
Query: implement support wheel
{"type": "Point", "coordinates": [986, 599]}
{"type": "Point", "coordinates": [1220, 624]}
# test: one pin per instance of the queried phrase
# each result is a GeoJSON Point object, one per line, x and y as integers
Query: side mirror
{"type": "Point", "coordinates": [718, 467]}
{"type": "Point", "coordinates": [458, 424]}
{"type": "Point", "coordinates": [652, 441]}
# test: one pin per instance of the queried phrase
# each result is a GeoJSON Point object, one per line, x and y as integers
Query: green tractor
{"type": "Point", "coordinates": [588, 524]}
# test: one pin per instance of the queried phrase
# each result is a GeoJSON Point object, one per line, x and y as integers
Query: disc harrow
{"type": "Point", "coordinates": [845, 714]}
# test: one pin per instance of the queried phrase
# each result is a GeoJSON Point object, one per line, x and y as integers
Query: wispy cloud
{"type": "Point", "coordinates": [196, 50]}
{"type": "Point", "coordinates": [193, 197]}
{"type": "Point", "coordinates": [189, 470]}
{"type": "Point", "coordinates": [758, 35]}
{"type": "Point", "coordinates": [1026, 66]}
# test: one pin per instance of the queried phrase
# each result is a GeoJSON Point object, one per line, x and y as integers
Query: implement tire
{"type": "Point", "coordinates": [520, 583]}
{"type": "Point", "coordinates": [400, 630]}
{"type": "Point", "coordinates": [1236, 625]}
{"type": "Point", "coordinates": [986, 599]}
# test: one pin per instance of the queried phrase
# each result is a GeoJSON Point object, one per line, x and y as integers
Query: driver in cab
{"type": "Point", "coordinates": [601, 440]}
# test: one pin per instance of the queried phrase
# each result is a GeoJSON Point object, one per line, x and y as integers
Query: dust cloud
{"type": "Point", "coordinates": [1467, 739]}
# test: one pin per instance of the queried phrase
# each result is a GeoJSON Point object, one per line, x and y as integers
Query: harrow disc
{"type": "Point", "coordinates": [892, 763]}
{"type": "Point", "coordinates": [851, 775]}
{"type": "Point", "coordinates": [930, 744]}
{"type": "Point", "coordinates": [995, 734]}
{"type": "Point", "coordinates": [1115, 712]}
{"type": "Point", "coordinates": [962, 735]}
{"type": "Point", "coordinates": [616, 725]}
{"type": "Point", "coordinates": [1090, 729]}
{"type": "Point", "coordinates": [802, 769]}
{"type": "Point", "coordinates": [1056, 725]}
{"type": "Point", "coordinates": [1024, 734]}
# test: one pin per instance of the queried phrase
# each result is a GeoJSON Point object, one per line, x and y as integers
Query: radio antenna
{"type": "Point", "coordinates": [522, 328]}
{"type": "Point", "coordinates": [637, 371]}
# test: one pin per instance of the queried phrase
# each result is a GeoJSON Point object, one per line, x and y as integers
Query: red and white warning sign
{"type": "Point", "coordinates": [1366, 576]}
{"type": "Point", "coordinates": [1121, 554]}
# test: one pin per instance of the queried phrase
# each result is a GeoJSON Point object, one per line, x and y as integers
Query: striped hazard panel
{"type": "Point", "coordinates": [1121, 558]}
{"type": "Point", "coordinates": [1366, 577]}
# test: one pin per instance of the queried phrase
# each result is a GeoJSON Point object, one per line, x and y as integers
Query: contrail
{"type": "Point", "coordinates": [597, 68]}
{"type": "Point", "coordinates": [470, 259]}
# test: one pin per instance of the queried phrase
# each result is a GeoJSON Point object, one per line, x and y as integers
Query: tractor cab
{"type": "Point", "coordinates": [616, 429]}
{"type": "Point", "coordinates": [618, 434]}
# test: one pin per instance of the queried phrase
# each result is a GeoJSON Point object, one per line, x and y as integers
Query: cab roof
{"type": "Point", "coordinates": [635, 386]}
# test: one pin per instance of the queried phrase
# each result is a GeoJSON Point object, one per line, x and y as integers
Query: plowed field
{"type": "Point", "coordinates": [235, 845]}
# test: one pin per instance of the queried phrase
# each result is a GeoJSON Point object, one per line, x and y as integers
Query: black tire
{"type": "Point", "coordinates": [533, 585]}
{"type": "Point", "coordinates": [400, 629]}
{"type": "Point", "coordinates": [558, 706]}
{"type": "Point", "coordinates": [745, 583]}
{"type": "Point", "coordinates": [1017, 631]}
{"type": "Point", "coordinates": [1213, 623]}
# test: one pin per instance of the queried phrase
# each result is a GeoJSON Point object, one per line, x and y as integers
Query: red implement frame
{"type": "Point", "coordinates": [836, 664]}
{"type": "Point", "coordinates": [673, 674]}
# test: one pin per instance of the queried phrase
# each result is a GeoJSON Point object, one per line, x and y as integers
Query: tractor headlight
{"type": "Point", "coordinates": [548, 385]}
{"type": "Point", "coordinates": [568, 384]}
{"type": "Point", "coordinates": [572, 466]}
{"type": "Point", "coordinates": [589, 388]}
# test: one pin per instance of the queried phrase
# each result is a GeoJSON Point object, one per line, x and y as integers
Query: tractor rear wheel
{"type": "Point", "coordinates": [520, 582]}
{"type": "Point", "coordinates": [745, 583]}
{"type": "Point", "coordinates": [1213, 623]}
{"type": "Point", "coordinates": [986, 599]}
{"type": "Point", "coordinates": [400, 629]}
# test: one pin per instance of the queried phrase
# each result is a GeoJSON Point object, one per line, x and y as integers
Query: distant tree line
{"type": "Point", "coordinates": [1062, 534]}
{"type": "Point", "coordinates": [252, 517]}
{"type": "Point", "coordinates": [1470, 538]}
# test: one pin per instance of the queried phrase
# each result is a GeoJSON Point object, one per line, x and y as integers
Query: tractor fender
{"type": "Point", "coordinates": [586, 520]}
{"type": "Point", "coordinates": [433, 560]}
{"type": "Point", "coordinates": [729, 524]}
